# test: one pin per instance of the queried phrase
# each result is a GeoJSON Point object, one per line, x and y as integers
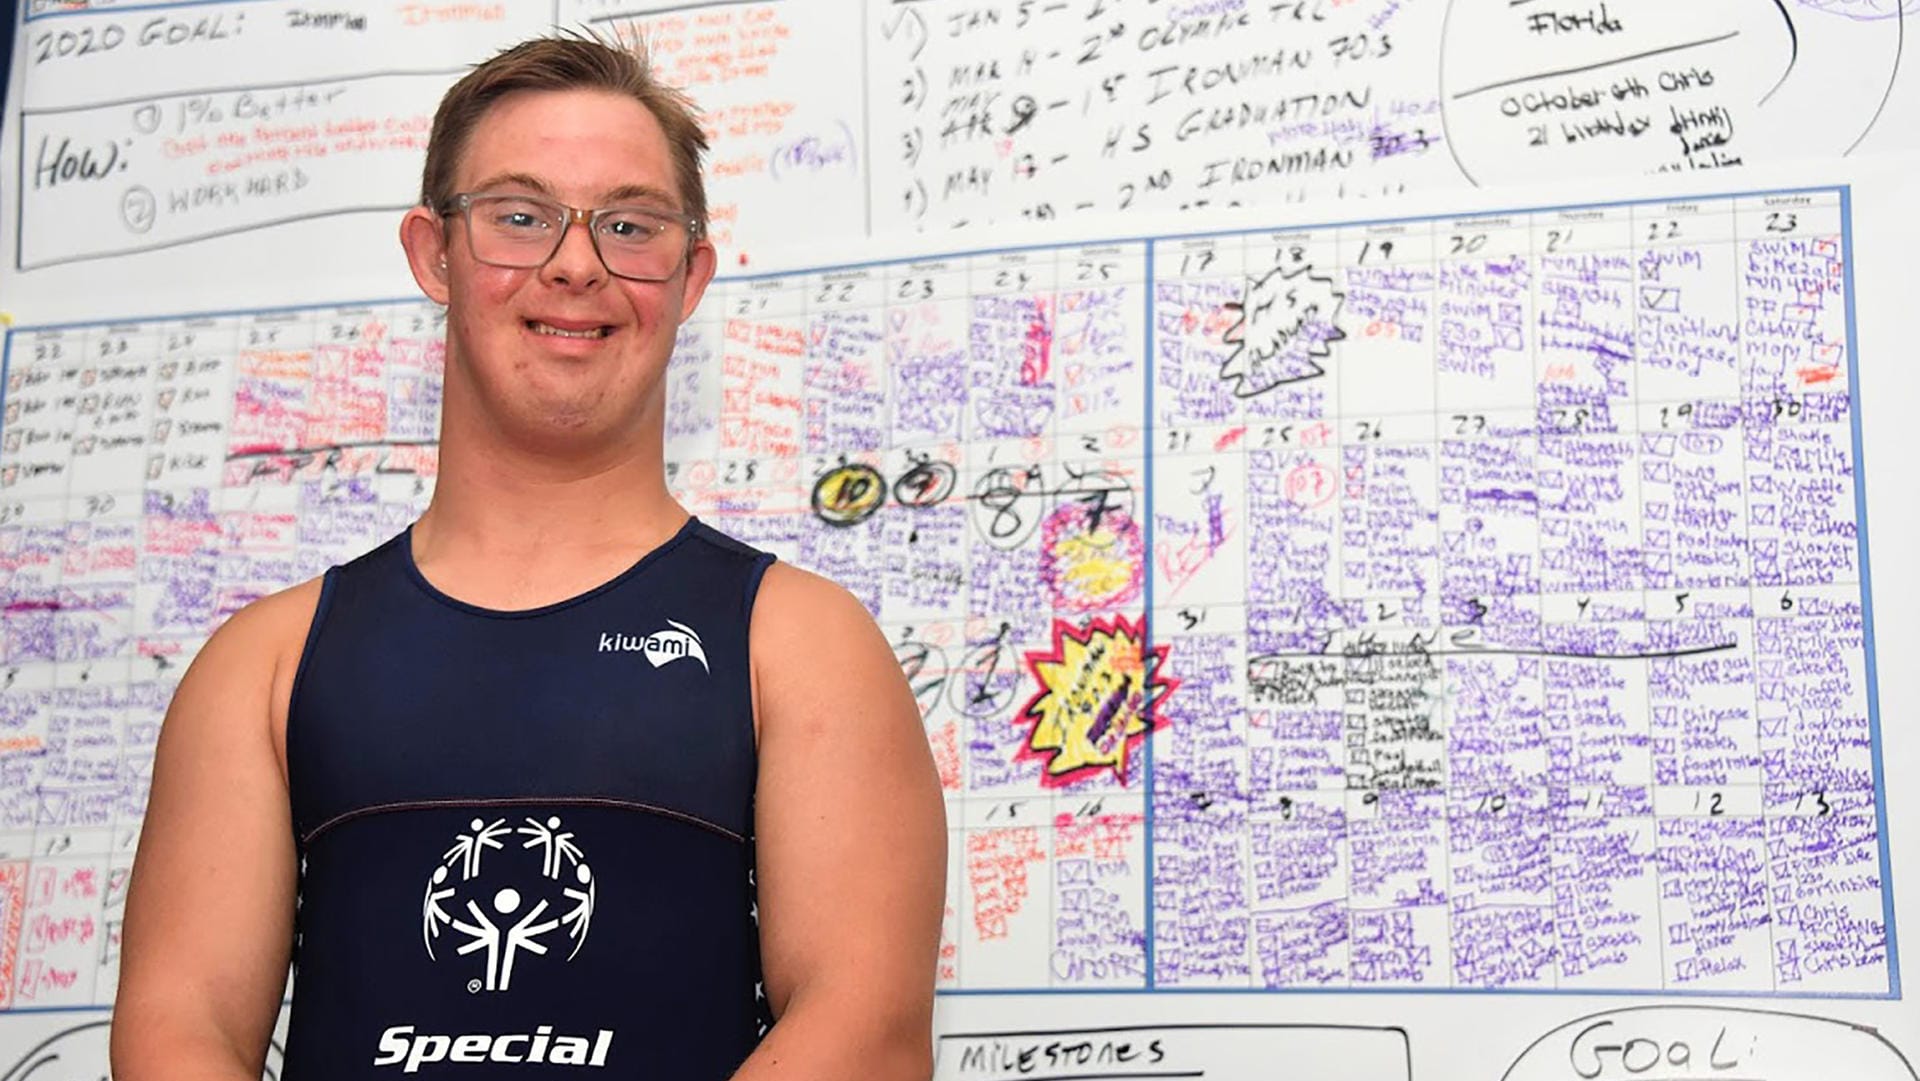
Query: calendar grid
{"type": "Point", "coordinates": [1435, 571]}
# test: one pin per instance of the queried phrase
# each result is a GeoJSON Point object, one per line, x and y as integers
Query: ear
{"type": "Point", "coordinates": [701, 262]}
{"type": "Point", "coordinates": [424, 236]}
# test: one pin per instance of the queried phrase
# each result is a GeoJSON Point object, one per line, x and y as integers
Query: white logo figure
{"type": "Point", "coordinates": [495, 923]}
{"type": "Point", "coordinates": [660, 647]}
{"type": "Point", "coordinates": [468, 848]}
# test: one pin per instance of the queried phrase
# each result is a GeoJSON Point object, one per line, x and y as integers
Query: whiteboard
{"type": "Point", "coordinates": [1554, 497]}
{"type": "Point", "coordinates": [241, 137]}
{"type": "Point", "coordinates": [1373, 785]}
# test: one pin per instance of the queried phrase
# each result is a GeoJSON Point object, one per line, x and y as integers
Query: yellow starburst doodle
{"type": "Point", "coordinates": [1101, 692]}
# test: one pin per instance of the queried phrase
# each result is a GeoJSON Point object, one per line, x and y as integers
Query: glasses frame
{"type": "Point", "coordinates": [462, 204]}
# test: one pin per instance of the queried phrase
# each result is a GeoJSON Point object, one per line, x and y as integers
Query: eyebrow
{"type": "Point", "coordinates": [641, 192]}
{"type": "Point", "coordinates": [621, 194]}
{"type": "Point", "coordinates": [525, 180]}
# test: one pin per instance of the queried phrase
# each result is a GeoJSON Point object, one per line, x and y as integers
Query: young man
{"type": "Point", "coordinates": [560, 777]}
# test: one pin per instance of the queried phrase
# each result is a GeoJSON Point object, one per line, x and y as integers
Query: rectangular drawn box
{"type": "Point", "coordinates": [1224, 1052]}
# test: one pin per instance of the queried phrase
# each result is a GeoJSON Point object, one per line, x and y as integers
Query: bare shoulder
{"type": "Point", "coordinates": [263, 632]}
{"type": "Point", "coordinates": [795, 604]}
{"type": "Point", "coordinates": [251, 660]}
{"type": "Point", "coordinates": [277, 615]}
{"type": "Point", "coordinates": [811, 639]}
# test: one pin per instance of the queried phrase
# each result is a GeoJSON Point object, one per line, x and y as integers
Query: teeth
{"type": "Point", "coordinates": [542, 328]}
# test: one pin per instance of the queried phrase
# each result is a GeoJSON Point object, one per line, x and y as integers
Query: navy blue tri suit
{"type": "Point", "coordinates": [525, 837]}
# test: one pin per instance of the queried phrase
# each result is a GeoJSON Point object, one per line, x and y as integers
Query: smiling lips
{"type": "Point", "coordinates": [567, 329]}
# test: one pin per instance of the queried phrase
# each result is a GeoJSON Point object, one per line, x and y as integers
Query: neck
{"type": "Point", "coordinates": [532, 508]}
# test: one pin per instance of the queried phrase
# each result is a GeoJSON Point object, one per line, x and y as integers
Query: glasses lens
{"type": "Point", "coordinates": [639, 243]}
{"type": "Point", "coordinates": [513, 230]}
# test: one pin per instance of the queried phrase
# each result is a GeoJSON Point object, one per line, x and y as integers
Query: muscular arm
{"type": "Point", "coordinates": [209, 922]}
{"type": "Point", "coordinates": [851, 843]}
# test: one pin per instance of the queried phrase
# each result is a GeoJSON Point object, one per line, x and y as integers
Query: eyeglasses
{"type": "Point", "coordinates": [523, 231]}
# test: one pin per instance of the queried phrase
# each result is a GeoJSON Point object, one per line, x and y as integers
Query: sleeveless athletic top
{"type": "Point", "coordinates": [525, 837]}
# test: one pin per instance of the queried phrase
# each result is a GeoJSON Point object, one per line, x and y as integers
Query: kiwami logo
{"type": "Point", "coordinates": [400, 1047]}
{"type": "Point", "coordinates": [660, 646]}
{"type": "Point", "coordinates": [499, 921]}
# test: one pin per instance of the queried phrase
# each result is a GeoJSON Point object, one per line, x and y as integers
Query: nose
{"type": "Point", "coordinates": [575, 263]}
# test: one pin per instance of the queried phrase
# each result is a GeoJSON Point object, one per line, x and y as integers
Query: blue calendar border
{"type": "Point", "coordinates": [1150, 984]}
{"type": "Point", "coordinates": [1148, 922]}
{"type": "Point", "coordinates": [1866, 599]}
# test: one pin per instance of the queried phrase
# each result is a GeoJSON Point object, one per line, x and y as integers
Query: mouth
{"type": "Point", "coordinates": [567, 329]}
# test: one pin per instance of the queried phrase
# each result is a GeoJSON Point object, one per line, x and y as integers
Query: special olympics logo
{"type": "Point", "coordinates": [466, 894]}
